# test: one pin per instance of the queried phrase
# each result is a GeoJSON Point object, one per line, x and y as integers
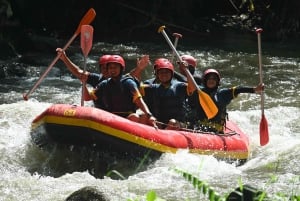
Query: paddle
{"type": "Point", "coordinates": [86, 41]}
{"type": "Point", "coordinates": [87, 19]}
{"type": "Point", "coordinates": [177, 36]}
{"type": "Point", "coordinates": [263, 127]}
{"type": "Point", "coordinates": [206, 102]}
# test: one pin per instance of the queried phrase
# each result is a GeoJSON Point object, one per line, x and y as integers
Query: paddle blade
{"type": "Point", "coordinates": [264, 131]}
{"type": "Point", "coordinates": [87, 19]}
{"type": "Point", "coordinates": [207, 104]}
{"type": "Point", "coordinates": [86, 39]}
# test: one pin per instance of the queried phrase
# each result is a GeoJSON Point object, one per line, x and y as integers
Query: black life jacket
{"type": "Point", "coordinates": [118, 98]}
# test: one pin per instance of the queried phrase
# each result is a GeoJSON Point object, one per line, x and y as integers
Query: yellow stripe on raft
{"type": "Point", "coordinates": [134, 139]}
{"type": "Point", "coordinates": [106, 129]}
{"type": "Point", "coordinates": [222, 154]}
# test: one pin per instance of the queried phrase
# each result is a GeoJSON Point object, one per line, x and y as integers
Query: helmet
{"type": "Point", "coordinates": [163, 63]}
{"type": "Point", "coordinates": [103, 59]}
{"type": "Point", "coordinates": [116, 59]}
{"type": "Point", "coordinates": [190, 60]}
{"type": "Point", "coordinates": [210, 71]}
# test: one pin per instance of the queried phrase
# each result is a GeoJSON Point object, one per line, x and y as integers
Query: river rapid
{"type": "Point", "coordinates": [25, 170]}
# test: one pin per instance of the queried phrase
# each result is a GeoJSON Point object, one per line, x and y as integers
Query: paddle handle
{"type": "Point", "coordinates": [177, 36]}
{"type": "Point", "coordinates": [259, 31]}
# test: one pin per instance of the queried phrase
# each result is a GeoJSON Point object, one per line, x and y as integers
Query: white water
{"type": "Point", "coordinates": [274, 167]}
{"type": "Point", "coordinates": [279, 158]}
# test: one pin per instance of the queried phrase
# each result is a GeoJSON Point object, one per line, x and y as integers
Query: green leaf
{"type": "Point", "coordinates": [151, 196]}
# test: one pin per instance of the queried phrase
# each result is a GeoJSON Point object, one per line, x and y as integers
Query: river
{"type": "Point", "coordinates": [25, 173]}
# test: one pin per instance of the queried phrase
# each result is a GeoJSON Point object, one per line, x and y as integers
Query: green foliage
{"type": "Point", "coordinates": [116, 173]}
{"type": "Point", "coordinates": [201, 186]}
{"type": "Point", "coordinates": [212, 195]}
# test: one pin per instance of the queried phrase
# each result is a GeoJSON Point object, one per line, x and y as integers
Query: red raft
{"type": "Point", "coordinates": [88, 126]}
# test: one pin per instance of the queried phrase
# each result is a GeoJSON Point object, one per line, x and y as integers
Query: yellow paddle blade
{"type": "Point", "coordinates": [207, 104]}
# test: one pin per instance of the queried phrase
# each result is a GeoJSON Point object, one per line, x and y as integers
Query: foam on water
{"type": "Point", "coordinates": [16, 149]}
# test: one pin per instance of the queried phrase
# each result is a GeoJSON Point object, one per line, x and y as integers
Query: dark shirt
{"type": "Point", "coordinates": [94, 79]}
{"type": "Point", "coordinates": [150, 81]}
{"type": "Point", "coordinates": [222, 98]}
{"type": "Point", "coordinates": [166, 103]}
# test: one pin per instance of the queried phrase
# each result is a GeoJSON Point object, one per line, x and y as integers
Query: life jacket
{"type": "Point", "coordinates": [167, 104]}
{"type": "Point", "coordinates": [117, 97]}
{"type": "Point", "coordinates": [215, 124]}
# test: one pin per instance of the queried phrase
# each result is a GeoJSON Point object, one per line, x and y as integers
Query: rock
{"type": "Point", "coordinates": [246, 193]}
{"type": "Point", "coordinates": [86, 194]}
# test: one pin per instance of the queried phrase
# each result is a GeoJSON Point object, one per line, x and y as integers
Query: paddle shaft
{"type": "Point", "coordinates": [260, 67]}
{"type": "Point", "coordinates": [263, 127]}
{"type": "Point", "coordinates": [83, 83]}
{"type": "Point", "coordinates": [87, 19]}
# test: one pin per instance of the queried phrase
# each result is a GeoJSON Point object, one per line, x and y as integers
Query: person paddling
{"type": "Point", "coordinates": [222, 97]}
{"type": "Point", "coordinates": [119, 94]}
{"type": "Point", "coordinates": [166, 99]}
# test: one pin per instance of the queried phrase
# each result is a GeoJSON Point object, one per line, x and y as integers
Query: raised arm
{"type": "Point", "coordinates": [141, 64]}
{"type": "Point", "coordinates": [192, 85]}
{"type": "Point", "coordinates": [75, 70]}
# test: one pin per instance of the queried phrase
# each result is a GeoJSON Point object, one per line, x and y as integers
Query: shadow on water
{"type": "Point", "coordinates": [59, 159]}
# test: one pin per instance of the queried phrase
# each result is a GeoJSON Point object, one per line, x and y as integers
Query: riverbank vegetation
{"type": "Point", "coordinates": [120, 20]}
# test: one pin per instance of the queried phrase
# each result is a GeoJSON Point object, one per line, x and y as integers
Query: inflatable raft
{"type": "Point", "coordinates": [88, 126]}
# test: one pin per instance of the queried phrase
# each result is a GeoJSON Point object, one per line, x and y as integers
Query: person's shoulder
{"type": "Point", "coordinates": [179, 77]}
{"type": "Point", "coordinates": [150, 81]}
{"type": "Point", "coordinates": [104, 81]}
{"type": "Point", "coordinates": [129, 80]}
{"type": "Point", "coordinates": [224, 91]}
{"type": "Point", "coordinates": [176, 82]}
{"type": "Point", "coordinates": [101, 85]}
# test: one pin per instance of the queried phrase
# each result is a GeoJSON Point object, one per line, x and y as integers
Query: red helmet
{"type": "Point", "coordinates": [210, 71]}
{"type": "Point", "coordinates": [163, 63]}
{"type": "Point", "coordinates": [116, 59]}
{"type": "Point", "coordinates": [103, 59]}
{"type": "Point", "coordinates": [190, 60]}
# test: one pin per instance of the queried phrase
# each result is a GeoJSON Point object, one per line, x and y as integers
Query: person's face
{"type": "Point", "coordinates": [211, 81]}
{"type": "Point", "coordinates": [164, 75]}
{"type": "Point", "coordinates": [114, 69]}
{"type": "Point", "coordinates": [104, 71]}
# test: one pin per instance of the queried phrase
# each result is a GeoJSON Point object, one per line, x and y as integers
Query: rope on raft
{"type": "Point", "coordinates": [230, 133]}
